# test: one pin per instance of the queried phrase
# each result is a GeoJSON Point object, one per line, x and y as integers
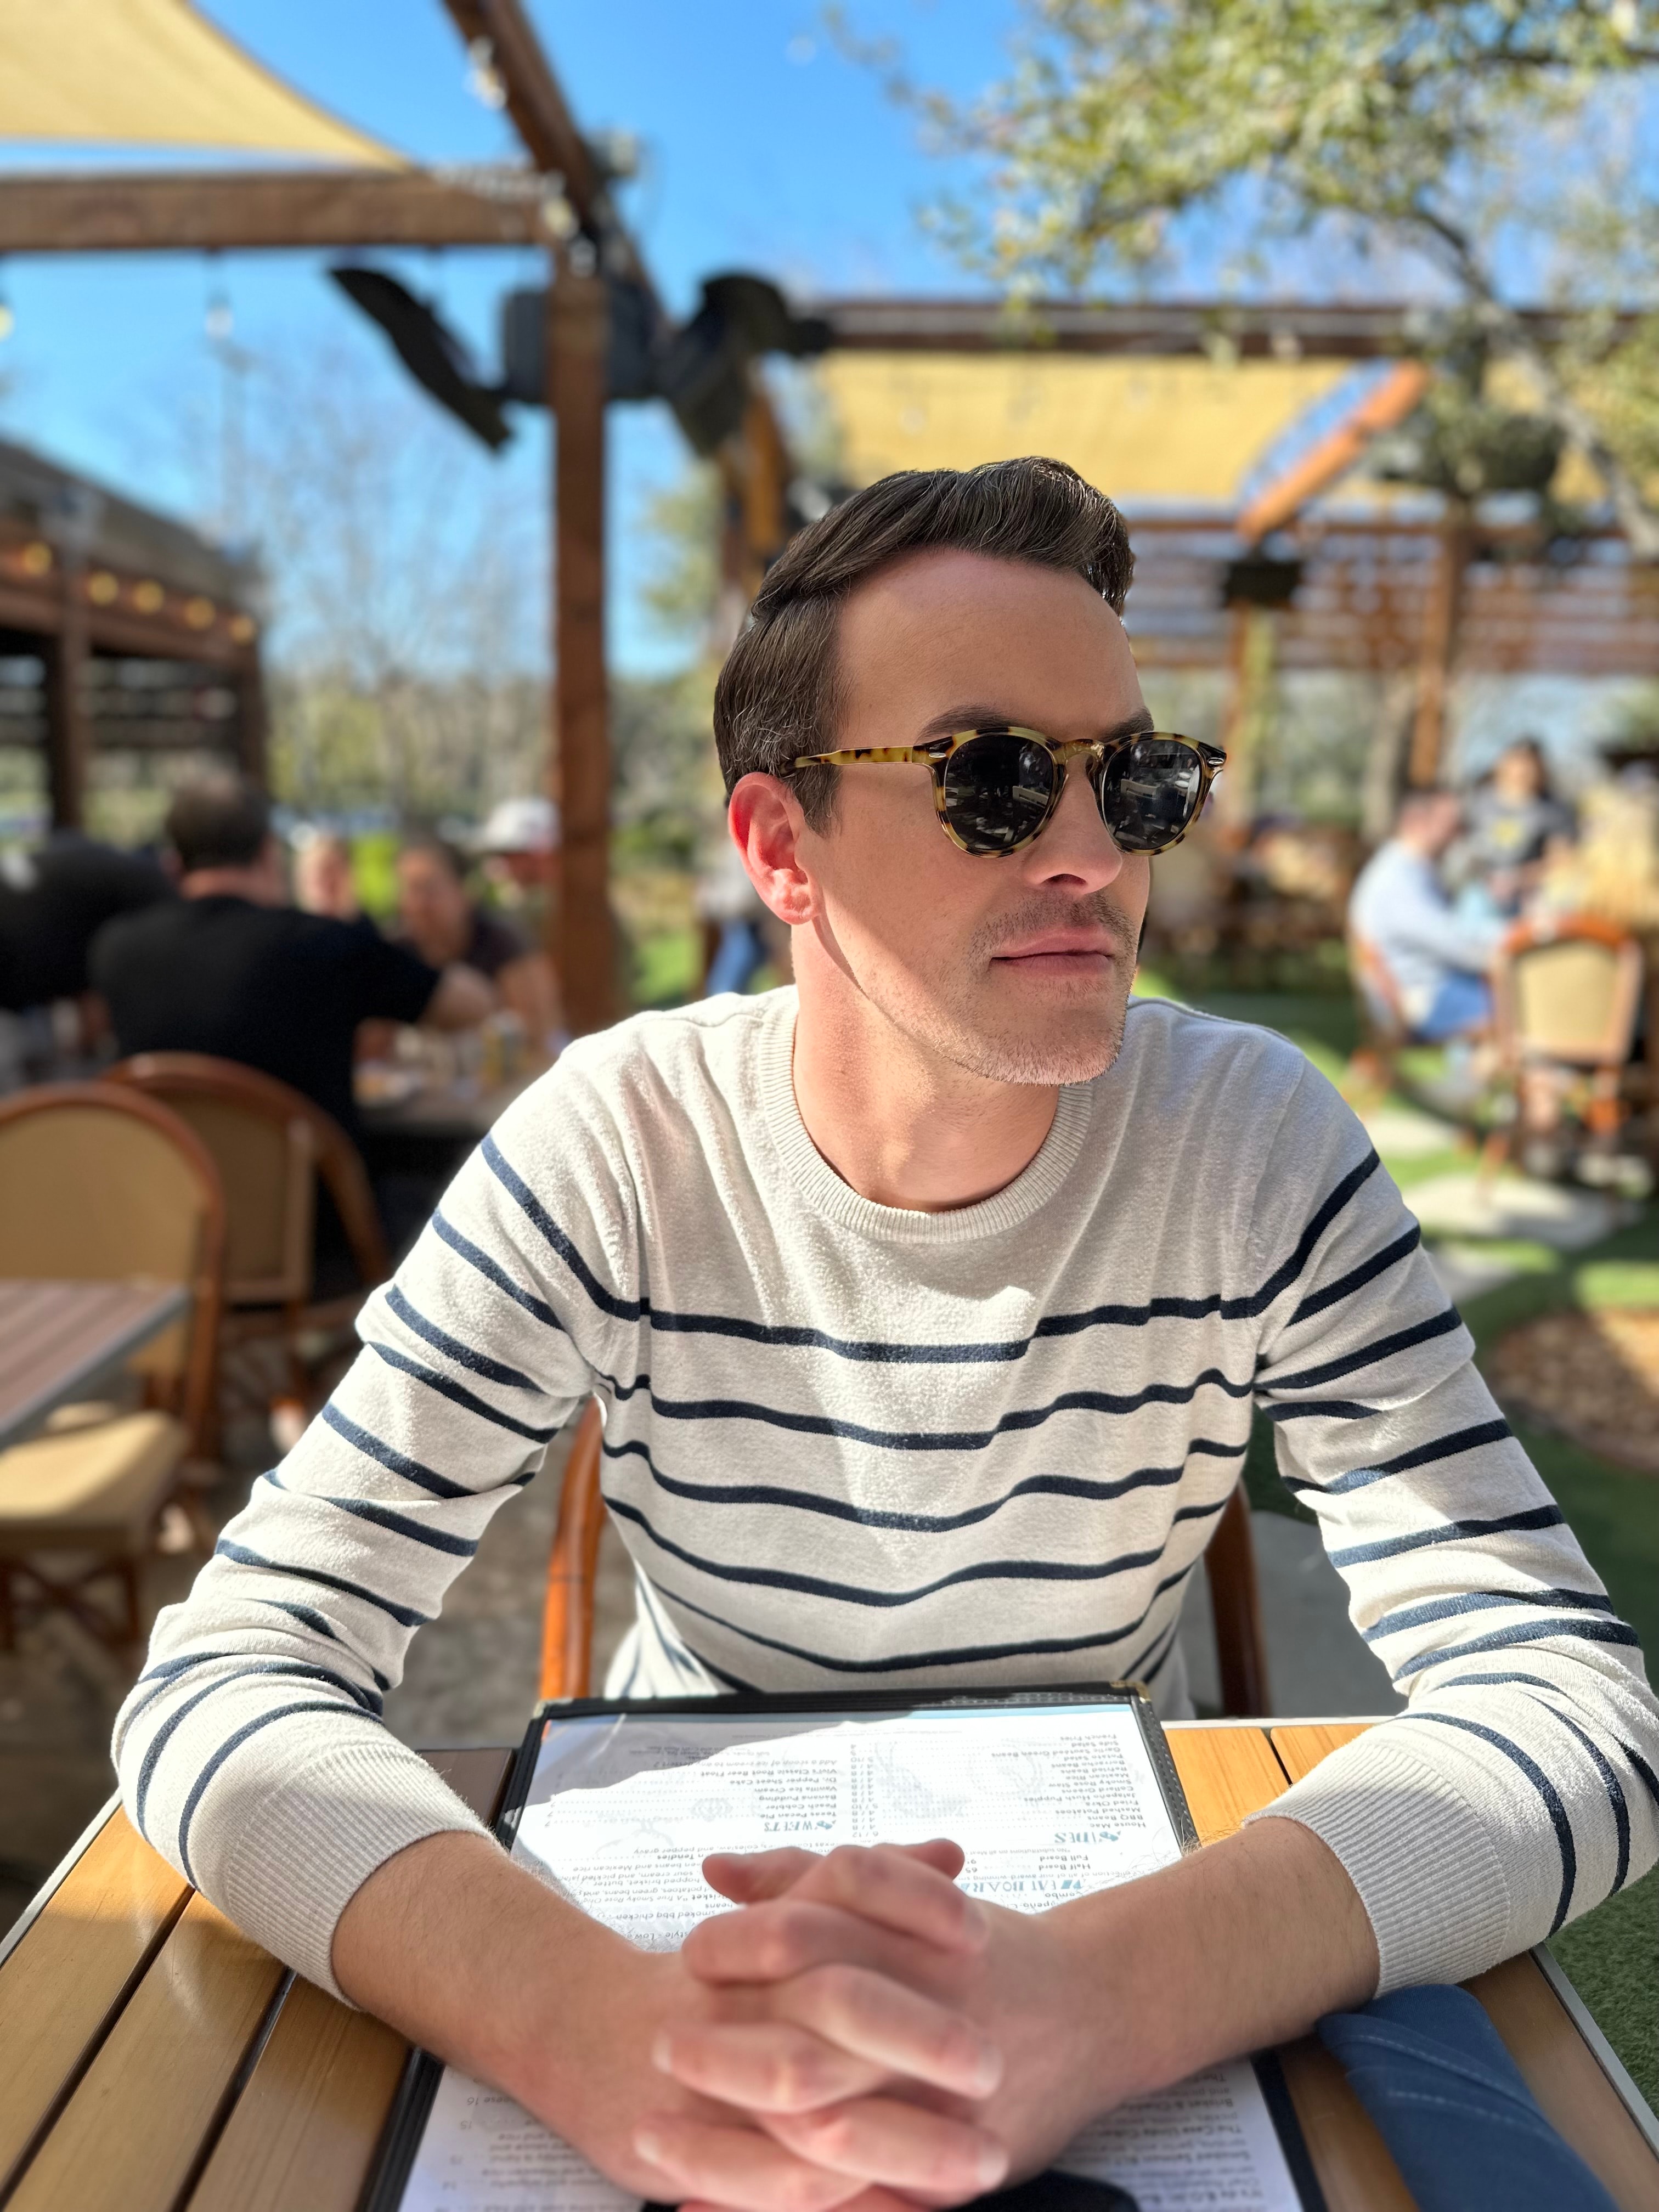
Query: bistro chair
{"type": "Point", "coordinates": [572, 1574]}
{"type": "Point", "coordinates": [1384, 1031]}
{"type": "Point", "coordinates": [100, 1185]}
{"type": "Point", "coordinates": [1567, 994]}
{"type": "Point", "coordinates": [272, 1145]}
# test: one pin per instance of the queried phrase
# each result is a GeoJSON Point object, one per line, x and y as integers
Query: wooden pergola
{"type": "Point", "coordinates": [559, 203]}
{"type": "Point", "coordinates": [119, 629]}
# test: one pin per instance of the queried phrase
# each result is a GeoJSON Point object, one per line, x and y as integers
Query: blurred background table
{"type": "Point", "coordinates": [412, 1125]}
{"type": "Point", "coordinates": [154, 2059]}
{"type": "Point", "coordinates": [58, 1339]}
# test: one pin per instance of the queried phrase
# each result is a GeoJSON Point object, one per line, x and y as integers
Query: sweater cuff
{"type": "Point", "coordinates": [1423, 1860]}
{"type": "Point", "coordinates": [305, 1851]}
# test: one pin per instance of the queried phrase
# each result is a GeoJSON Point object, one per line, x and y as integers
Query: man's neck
{"type": "Point", "coordinates": [899, 1124]}
{"type": "Point", "coordinates": [253, 885]}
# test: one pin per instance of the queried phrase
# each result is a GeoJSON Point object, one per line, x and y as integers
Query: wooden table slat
{"type": "Point", "coordinates": [72, 1972]}
{"type": "Point", "coordinates": [1355, 2170]}
{"type": "Point", "coordinates": [130, 2136]}
{"type": "Point", "coordinates": [1227, 1774]}
{"type": "Point", "coordinates": [303, 2133]}
{"type": "Point", "coordinates": [1574, 2095]}
{"type": "Point", "coordinates": [1301, 1748]}
{"type": "Point", "coordinates": [73, 1334]}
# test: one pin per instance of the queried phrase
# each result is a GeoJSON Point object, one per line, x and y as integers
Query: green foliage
{"type": "Point", "coordinates": [1119, 117]}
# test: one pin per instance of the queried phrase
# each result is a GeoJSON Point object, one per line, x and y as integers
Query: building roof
{"type": "Point", "coordinates": [41, 499]}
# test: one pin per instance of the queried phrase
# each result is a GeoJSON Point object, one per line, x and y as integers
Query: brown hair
{"type": "Point", "coordinates": [778, 695]}
{"type": "Point", "coordinates": [218, 821]}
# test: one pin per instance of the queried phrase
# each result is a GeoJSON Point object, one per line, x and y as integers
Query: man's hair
{"type": "Point", "coordinates": [441, 849]}
{"type": "Point", "coordinates": [218, 822]}
{"type": "Point", "coordinates": [779, 695]}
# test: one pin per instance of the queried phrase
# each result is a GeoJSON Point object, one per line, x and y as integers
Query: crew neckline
{"type": "Point", "coordinates": [837, 1202]}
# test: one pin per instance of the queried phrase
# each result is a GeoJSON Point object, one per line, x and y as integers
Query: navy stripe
{"type": "Point", "coordinates": [1650, 1779]}
{"type": "Point", "coordinates": [458, 1396]}
{"type": "Point", "coordinates": [971, 1655]}
{"type": "Point", "coordinates": [1033, 1417]}
{"type": "Point", "coordinates": [475, 1363]}
{"type": "Point", "coordinates": [1524, 1631]}
{"type": "Point", "coordinates": [158, 1744]}
{"type": "Point", "coordinates": [382, 1516]}
{"type": "Point", "coordinates": [1449, 1608]}
{"type": "Point", "coordinates": [313, 1618]}
{"type": "Point", "coordinates": [1423, 1332]}
{"type": "Point", "coordinates": [230, 1744]}
{"type": "Point", "coordinates": [782, 1579]}
{"type": "Point", "coordinates": [167, 1671]}
{"type": "Point", "coordinates": [388, 1457]}
{"type": "Point", "coordinates": [467, 1249]}
{"type": "Point", "coordinates": [405, 1615]}
{"type": "Point", "coordinates": [876, 1350]}
{"type": "Point", "coordinates": [1461, 1440]}
{"type": "Point", "coordinates": [841, 1509]}
{"type": "Point", "coordinates": [1356, 1279]}
{"type": "Point", "coordinates": [1546, 1789]}
{"type": "Point", "coordinates": [1615, 1792]}
{"type": "Point", "coordinates": [1615, 1799]}
{"type": "Point", "coordinates": [1328, 1409]}
{"type": "Point", "coordinates": [1391, 1547]}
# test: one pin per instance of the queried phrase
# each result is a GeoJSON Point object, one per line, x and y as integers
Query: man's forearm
{"type": "Point", "coordinates": [1244, 1944]}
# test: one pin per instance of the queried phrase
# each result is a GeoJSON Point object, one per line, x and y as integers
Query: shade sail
{"type": "Point", "coordinates": [1142, 427]}
{"type": "Point", "coordinates": [155, 72]}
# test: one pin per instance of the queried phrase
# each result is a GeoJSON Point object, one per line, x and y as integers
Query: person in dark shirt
{"type": "Point", "coordinates": [232, 968]}
{"type": "Point", "coordinates": [439, 920]}
{"type": "Point", "coordinates": [53, 904]}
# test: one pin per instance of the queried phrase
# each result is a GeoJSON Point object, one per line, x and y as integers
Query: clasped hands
{"type": "Point", "coordinates": [863, 2034]}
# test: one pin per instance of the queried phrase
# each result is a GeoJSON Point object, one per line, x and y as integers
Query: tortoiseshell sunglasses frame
{"type": "Point", "coordinates": [936, 753]}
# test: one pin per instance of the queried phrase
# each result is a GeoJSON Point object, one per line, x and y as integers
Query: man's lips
{"type": "Point", "coordinates": [1075, 948]}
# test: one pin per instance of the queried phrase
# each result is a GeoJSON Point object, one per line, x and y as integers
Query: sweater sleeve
{"type": "Point", "coordinates": [251, 1751]}
{"type": "Point", "coordinates": [1520, 1786]}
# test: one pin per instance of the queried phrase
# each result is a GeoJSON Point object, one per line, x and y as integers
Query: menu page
{"type": "Point", "coordinates": [1047, 1802]}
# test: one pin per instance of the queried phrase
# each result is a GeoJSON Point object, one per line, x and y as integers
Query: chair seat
{"type": "Point", "coordinates": [88, 1488]}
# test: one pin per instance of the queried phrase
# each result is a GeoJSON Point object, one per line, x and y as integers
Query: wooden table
{"type": "Point", "coordinates": [463, 1110]}
{"type": "Point", "coordinates": [153, 2059]}
{"type": "Point", "coordinates": [56, 1340]}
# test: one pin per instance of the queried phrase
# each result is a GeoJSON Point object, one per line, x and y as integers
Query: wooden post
{"type": "Point", "coordinates": [581, 936]}
{"type": "Point", "coordinates": [251, 728]}
{"type": "Point", "coordinates": [1442, 616]}
{"type": "Point", "coordinates": [68, 734]}
{"type": "Point", "coordinates": [1252, 654]}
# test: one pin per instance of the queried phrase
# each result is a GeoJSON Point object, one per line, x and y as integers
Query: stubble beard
{"type": "Point", "coordinates": [966, 1021]}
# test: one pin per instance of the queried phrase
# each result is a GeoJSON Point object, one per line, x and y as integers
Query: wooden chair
{"type": "Point", "coordinates": [1384, 1029]}
{"type": "Point", "coordinates": [1567, 994]}
{"type": "Point", "coordinates": [100, 1185]}
{"type": "Point", "coordinates": [271, 1146]}
{"type": "Point", "coordinates": [573, 1570]}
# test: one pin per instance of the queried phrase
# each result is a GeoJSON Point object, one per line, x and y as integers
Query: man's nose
{"type": "Point", "coordinates": [1076, 847]}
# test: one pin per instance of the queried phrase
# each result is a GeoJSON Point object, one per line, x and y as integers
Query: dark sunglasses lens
{"type": "Point", "coordinates": [1149, 792]}
{"type": "Point", "coordinates": [997, 792]}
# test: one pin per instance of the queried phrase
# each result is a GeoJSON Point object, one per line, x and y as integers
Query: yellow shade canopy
{"type": "Point", "coordinates": [152, 73]}
{"type": "Point", "coordinates": [1147, 427]}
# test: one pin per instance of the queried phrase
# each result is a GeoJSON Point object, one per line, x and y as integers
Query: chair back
{"type": "Point", "coordinates": [270, 1144]}
{"type": "Point", "coordinates": [1568, 993]}
{"type": "Point", "coordinates": [100, 1185]}
{"type": "Point", "coordinates": [1379, 994]}
{"type": "Point", "coordinates": [572, 1573]}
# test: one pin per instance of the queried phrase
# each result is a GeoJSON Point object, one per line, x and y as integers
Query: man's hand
{"type": "Point", "coordinates": [478, 1961]}
{"type": "Point", "coordinates": [1097, 2000]}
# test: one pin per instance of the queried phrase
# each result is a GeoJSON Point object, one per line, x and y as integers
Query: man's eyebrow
{"type": "Point", "coordinates": [981, 717]}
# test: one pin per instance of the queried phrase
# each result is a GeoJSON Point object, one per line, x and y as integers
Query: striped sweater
{"type": "Point", "coordinates": [848, 1445]}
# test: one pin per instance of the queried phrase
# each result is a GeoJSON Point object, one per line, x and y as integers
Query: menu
{"type": "Point", "coordinates": [1048, 1801]}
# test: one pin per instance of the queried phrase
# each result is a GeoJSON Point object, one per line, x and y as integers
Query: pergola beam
{"type": "Point", "coordinates": [1285, 330]}
{"type": "Point", "coordinates": [151, 211]}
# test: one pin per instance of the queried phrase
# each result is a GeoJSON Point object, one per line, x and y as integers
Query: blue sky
{"type": "Point", "coordinates": [764, 150]}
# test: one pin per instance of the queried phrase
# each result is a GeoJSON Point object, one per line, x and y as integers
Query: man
{"type": "Point", "coordinates": [233, 969]}
{"type": "Point", "coordinates": [439, 920]}
{"type": "Point", "coordinates": [928, 1302]}
{"type": "Point", "coordinates": [1436, 960]}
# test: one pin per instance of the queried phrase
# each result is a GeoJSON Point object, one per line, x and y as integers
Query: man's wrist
{"type": "Point", "coordinates": [1244, 1944]}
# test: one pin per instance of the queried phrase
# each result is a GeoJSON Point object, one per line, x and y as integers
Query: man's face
{"type": "Point", "coordinates": [1017, 968]}
{"type": "Point", "coordinates": [431, 904]}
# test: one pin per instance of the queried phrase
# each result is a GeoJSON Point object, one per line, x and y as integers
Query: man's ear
{"type": "Point", "coordinates": [767, 826]}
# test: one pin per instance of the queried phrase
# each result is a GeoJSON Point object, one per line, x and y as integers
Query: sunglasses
{"type": "Point", "coordinates": [996, 789]}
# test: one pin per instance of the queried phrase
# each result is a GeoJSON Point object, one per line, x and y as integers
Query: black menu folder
{"type": "Point", "coordinates": [1052, 1794]}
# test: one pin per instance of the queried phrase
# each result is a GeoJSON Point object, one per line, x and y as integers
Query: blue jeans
{"type": "Point", "coordinates": [1462, 1003]}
